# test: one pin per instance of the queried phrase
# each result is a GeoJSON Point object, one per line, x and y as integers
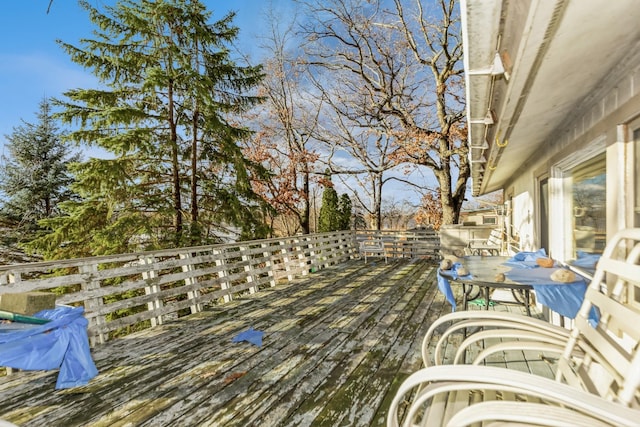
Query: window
{"type": "Point", "coordinates": [636, 174]}
{"type": "Point", "coordinates": [489, 220]}
{"type": "Point", "coordinates": [635, 292]}
{"type": "Point", "coordinates": [589, 205]}
{"type": "Point", "coordinates": [543, 197]}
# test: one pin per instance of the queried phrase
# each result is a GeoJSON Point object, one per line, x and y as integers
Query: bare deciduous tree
{"type": "Point", "coordinates": [360, 157]}
{"type": "Point", "coordinates": [286, 122]}
{"type": "Point", "coordinates": [398, 214]}
{"type": "Point", "coordinates": [397, 71]}
{"type": "Point", "coordinates": [430, 211]}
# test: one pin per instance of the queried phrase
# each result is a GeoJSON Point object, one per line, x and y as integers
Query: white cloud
{"type": "Point", "coordinates": [41, 73]}
{"type": "Point", "coordinates": [30, 77]}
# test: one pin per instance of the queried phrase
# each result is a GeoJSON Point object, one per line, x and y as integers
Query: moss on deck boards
{"type": "Point", "coordinates": [337, 344]}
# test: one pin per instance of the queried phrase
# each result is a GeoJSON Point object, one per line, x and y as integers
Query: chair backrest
{"type": "Point", "coordinates": [371, 244]}
{"type": "Point", "coordinates": [611, 366]}
{"type": "Point", "coordinates": [495, 238]}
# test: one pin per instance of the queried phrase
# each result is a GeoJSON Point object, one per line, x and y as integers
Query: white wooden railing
{"type": "Point", "coordinates": [138, 290]}
{"type": "Point", "coordinates": [405, 244]}
{"type": "Point", "coordinates": [144, 289]}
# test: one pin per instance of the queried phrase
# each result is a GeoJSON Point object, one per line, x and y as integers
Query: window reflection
{"type": "Point", "coordinates": [636, 207]}
{"type": "Point", "coordinates": [589, 207]}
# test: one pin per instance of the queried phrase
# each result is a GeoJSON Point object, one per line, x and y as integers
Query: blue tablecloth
{"type": "Point", "coordinates": [563, 298]}
{"type": "Point", "coordinates": [586, 260]}
{"type": "Point", "coordinates": [60, 344]}
{"type": "Point", "coordinates": [526, 259]}
{"type": "Point", "coordinates": [445, 287]}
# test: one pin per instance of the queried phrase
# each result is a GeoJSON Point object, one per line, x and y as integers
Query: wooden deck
{"type": "Point", "coordinates": [336, 345]}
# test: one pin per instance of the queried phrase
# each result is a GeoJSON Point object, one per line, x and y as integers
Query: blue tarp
{"type": "Point", "coordinates": [59, 344]}
{"type": "Point", "coordinates": [563, 298]}
{"type": "Point", "coordinates": [445, 286]}
{"type": "Point", "coordinates": [526, 259]}
{"type": "Point", "coordinates": [251, 335]}
{"type": "Point", "coordinates": [586, 260]}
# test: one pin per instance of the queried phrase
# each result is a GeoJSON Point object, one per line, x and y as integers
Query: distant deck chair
{"type": "Point", "coordinates": [493, 244]}
{"type": "Point", "coordinates": [598, 371]}
{"type": "Point", "coordinates": [374, 247]}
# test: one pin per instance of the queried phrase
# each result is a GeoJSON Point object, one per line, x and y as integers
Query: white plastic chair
{"type": "Point", "coordinates": [598, 371]}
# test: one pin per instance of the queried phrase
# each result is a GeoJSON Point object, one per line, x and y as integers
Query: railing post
{"type": "Point", "coordinates": [152, 287]}
{"type": "Point", "coordinates": [6, 279]}
{"type": "Point", "coordinates": [268, 263]}
{"type": "Point", "coordinates": [286, 260]}
{"type": "Point", "coordinates": [300, 256]}
{"type": "Point", "coordinates": [354, 250]}
{"type": "Point", "coordinates": [191, 282]}
{"type": "Point", "coordinates": [10, 277]}
{"type": "Point", "coordinates": [313, 256]}
{"type": "Point", "coordinates": [328, 250]}
{"type": "Point", "coordinates": [248, 268]}
{"type": "Point", "coordinates": [222, 273]}
{"type": "Point", "coordinates": [343, 246]}
{"type": "Point", "coordinates": [93, 304]}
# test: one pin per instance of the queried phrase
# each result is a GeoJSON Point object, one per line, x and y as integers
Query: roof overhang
{"type": "Point", "coordinates": [553, 55]}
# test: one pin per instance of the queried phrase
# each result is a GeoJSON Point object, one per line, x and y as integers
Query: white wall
{"type": "Point", "coordinates": [604, 123]}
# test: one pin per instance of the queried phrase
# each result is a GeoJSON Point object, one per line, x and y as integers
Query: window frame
{"type": "Point", "coordinates": [561, 246]}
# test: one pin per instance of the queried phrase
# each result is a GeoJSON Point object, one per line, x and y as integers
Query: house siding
{"type": "Point", "coordinates": [601, 124]}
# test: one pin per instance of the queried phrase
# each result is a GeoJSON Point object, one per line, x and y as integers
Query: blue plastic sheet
{"type": "Point", "coordinates": [563, 298]}
{"type": "Point", "coordinates": [526, 259]}
{"type": "Point", "coordinates": [445, 287]}
{"type": "Point", "coordinates": [251, 335]}
{"type": "Point", "coordinates": [60, 344]}
{"type": "Point", "coordinates": [586, 260]}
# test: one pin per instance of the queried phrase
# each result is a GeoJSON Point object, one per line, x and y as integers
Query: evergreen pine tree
{"type": "Point", "coordinates": [329, 214]}
{"type": "Point", "coordinates": [329, 218]}
{"type": "Point", "coordinates": [344, 209]}
{"type": "Point", "coordinates": [34, 176]}
{"type": "Point", "coordinates": [165, 108]}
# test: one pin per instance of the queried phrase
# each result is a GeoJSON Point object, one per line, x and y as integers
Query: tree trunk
{"type": "Point", "coordinates": [452, 201]}
{"type": "Point", "coordinates": [177, 201]}
{"type": "Point", "coordinates": [305, 221]}
{"type": "Point", "coordinates": [194, 178]}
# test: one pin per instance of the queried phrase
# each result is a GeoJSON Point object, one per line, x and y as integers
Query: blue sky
{"type": "Point", "coordinates": [33, 66]}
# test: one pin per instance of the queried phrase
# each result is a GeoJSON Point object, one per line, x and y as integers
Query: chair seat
{"type": "Point", "coordinates": [596, 375]}
{"type": "Point", "coordinates": [373, 247]}
{"type": "Point", "coordinates": [492, 245]}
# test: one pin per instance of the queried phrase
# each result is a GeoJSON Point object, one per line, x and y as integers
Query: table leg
{"type": "Point", "coordinates": [526, 302]}
{"type": "Point", "coordinates": [486, 297]}
{"type": "Point", "coordinates": [464, 296]}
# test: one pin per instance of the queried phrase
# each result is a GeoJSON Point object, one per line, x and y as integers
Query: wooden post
{"type": "Point", "coordinates": [5, 279]}
{"type": "Point", "coordinates": [151, 278]}
{"type": "Point", "coordinates": [93, 304]}
{"type": "Point", "coordinates": [286, 260]}
{"type": "Point", "coordinates": [313, 258]}
{"type": "Point", "coordinates": [302, 256]}
{"type": "Point", "coordinates": [354, 249]}
{"type": "Point", "coordinates": [268, 263]}
{"type": "Point", "coordinates": [224, 284]}
{"type": "Point", "coordinates": [248, 268]}
{"type": "Point", "coordinates": [190, 280]}
{"type": "Point", "coordinates": [10, 277]}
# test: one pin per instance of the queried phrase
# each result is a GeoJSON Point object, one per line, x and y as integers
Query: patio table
{"type": "Point", "coordinates": [521, 279]}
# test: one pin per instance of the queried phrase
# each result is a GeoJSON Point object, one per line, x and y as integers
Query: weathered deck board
{"type": "Point", "coordinates": [189, 373]}
{"type": "Point", "coordinates": [336, 346]}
